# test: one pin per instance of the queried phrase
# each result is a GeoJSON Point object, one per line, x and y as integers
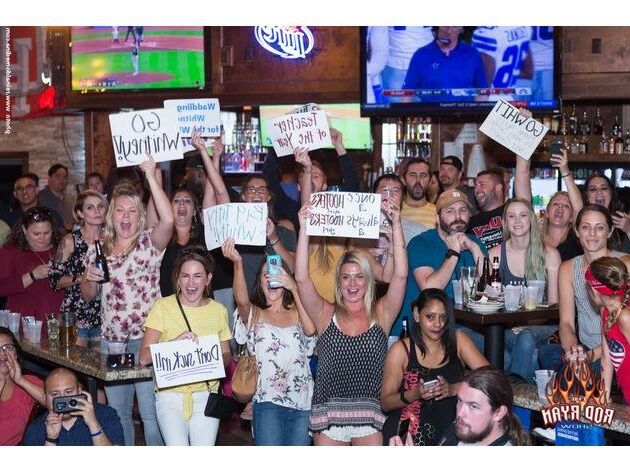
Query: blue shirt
{"type": "Point", "coordinates": [430, 68]}
{"type": "Point", "coordinates": [428, 250]}
{"type": "Point", "coordinates": [79, 434]}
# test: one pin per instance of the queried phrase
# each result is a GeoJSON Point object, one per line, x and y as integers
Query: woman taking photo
{"type": "Point", "coordinates": [19, 394]}
{"type": "Point", "coordinates": [593, 227]}
{"type": "Point", "coordinates": [26, 258]}
{"type": "Point", "coordinates": [609, 287]}
{"type": "Point", "coordinates": [188, 314]}
{"type": "Point", "coordinates": [524, 257]}
{"type": "Point", "coordinates": [281, 338]}
{"type": "Point", "coordinates": [434, 353]}
{"type": "Point", "coordinates": [89, 212]}
{"type": "Point", "coordinates": [134, 254]}
{"type": "Point", "coordinates": [352, 341]}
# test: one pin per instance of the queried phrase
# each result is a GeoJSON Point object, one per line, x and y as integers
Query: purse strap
{"type": "Point", "coordinates": [254, 315]}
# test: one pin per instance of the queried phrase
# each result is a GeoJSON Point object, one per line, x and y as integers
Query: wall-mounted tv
{"type": "Point", "coordinates": [128, 58]}
{"type": "Point", "coordinates": [345, 117]}
{"type": "Point", "coordinates": [457, 69]}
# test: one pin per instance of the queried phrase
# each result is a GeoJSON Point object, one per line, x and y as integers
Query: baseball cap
{"type": "Point", "coordinates": [453, 161]}
{"type": "Point", "coordinates": [450, 197]}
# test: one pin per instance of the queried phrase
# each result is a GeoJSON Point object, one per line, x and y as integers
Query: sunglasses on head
{"type": "Point", "coordinates": [38, 214]}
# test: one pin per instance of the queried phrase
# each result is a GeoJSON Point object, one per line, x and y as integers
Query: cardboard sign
{"type": "Point", "coordinates": [154, 131]}
{"type": "Point", "coordinates": [201, 115]}
{"type": "Point", "coordinates": [345, 214]}
{"type": "Point", "coordinates": [310, 130]}
{"type": "Point", "coordinates": [517, 133]}
{"type": "Point", "coordinates": [184, 361]}
{"type": "Point", "coordinates": [246, 223]}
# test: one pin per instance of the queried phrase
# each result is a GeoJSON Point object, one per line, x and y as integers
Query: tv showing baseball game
{"type": "Point", "coordinates": [137, 57]}
{"type": "Point", "coordinates": [457, 69]}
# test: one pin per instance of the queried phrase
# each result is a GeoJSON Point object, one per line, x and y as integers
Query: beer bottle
{"type": "Point", "coordinates": [495, 279]}
{"type": "Point", "coordinates": [101, 262]}
{"type": "Point", "coordinates": [484, 280]}
{"type": "Point", "coordinates": [404, 333]}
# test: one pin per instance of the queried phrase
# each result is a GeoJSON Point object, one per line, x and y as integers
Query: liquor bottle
{"type": "Point", "coordinates": [603, 144]}
{"type": "Point", "coordinates": [575, 146]}
{"type": "Point", "coordinates": [484, 280]}
{"type": "Point", "coordinates": [616, 128]}
{"type": "Point", "coordinates": [573, 123]}
{"type": "Point", "coordinates": [611, 144]}
{"type": "Point", "coordinates": [495, 279]}
{"type": "Point", "coordinates": [598, 124]}
{"type": "Point", "coordinates": [626, 142]}
{"type": "Point", "coordinates": [404, 333]}
{"type": "Point", "coordinates": [400, 126]}
{"type": "Point", "coordinates": [584, 144]}
{"type": "Point", "coordinates": [100, 261]}
{"type": "Point", "coordinates": [619, 144]}
{"type": "Point", "coordinates": [585, 126]}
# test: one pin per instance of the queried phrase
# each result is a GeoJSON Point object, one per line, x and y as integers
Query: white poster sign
{"type": "Point", "coordinates": [201, 115]}
{"type": "Point", "coordinates": [184, 361]}
{"type": "Point", "coordinates": [505, 125]}
{"type": "Point", "coordinates": [345, 214]}
{"type": "Point", "coordinates": [246, 223]}
{"type": "Point", "coordinates": [310, 130]}
{"type": "Point", "coordinates": [154, 131]}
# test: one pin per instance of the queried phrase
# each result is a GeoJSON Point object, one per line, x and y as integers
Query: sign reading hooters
{"type": "Point", "coordinates": [288, 42]}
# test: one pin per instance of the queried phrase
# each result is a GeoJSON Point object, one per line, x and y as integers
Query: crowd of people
{"type": "Point", "coordinates": [331, 367]}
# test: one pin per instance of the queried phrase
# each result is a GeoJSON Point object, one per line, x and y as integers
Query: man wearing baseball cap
{"type": "Point", "coordinates": [450, 176]}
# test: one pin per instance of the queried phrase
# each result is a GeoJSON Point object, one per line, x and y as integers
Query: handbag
{"type": "Point", "coordinates": [245, 377]}
{"type": "Point", "coordinates": [217, 405]}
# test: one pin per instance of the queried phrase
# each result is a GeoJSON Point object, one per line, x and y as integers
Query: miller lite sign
{"type": "Point", "coordinates": [288, 42]}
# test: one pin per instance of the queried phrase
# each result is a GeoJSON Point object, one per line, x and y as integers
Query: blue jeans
{"type": "Point", "coordinates": [520, 356]}
{"type": "Point", "coordinates": [278, 425]}
{"type": "Point", "coordinates": [120, 397]}
{"type": "Point", "coordinates": [93, 332]}
{"type": "Point", "coordinates": [476, 337]}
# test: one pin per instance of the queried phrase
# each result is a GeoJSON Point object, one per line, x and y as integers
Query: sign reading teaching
{"type": "Point", "coordinates": [184, 361]}
{"type": "Point", "coordinates": [246, 223]}
{"type": "Point", "coordinates": [505, 125]}
{"type": "Point", "coordinates": [345, 214]}
{"type": "Point", "coordinates": [201, 115]}
{"type": "Point", "coordinates": [154, 131]}
{"type": "Point", "coordinates": [310, 130]}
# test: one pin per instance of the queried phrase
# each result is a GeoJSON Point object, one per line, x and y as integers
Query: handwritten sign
{"type": "Point", "coordinates": [345, 214]}
{"type": "Point", "coordinates": [246, 223]}
{"type": "Point", "coordinates": [310, 130]}
{"type": "Point", "coordinates": [505, 125]}
{"type": "Point", "coordinates": [154, 131]}
{"type": "Point", "coordinates": [201, 115]}
{"type": "Point", "coordinates": [184, 361]}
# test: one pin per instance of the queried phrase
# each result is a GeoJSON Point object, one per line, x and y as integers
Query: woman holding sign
{"type": "Point", "coordinates": [187, 315]}
{"type": "Point", "coordinates": [134, 254]}
{"type": "Point", "coordinates": [352, 341]}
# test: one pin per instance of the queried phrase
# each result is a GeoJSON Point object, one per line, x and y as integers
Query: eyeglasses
{"type": "Point", "coordinates": [8, 347]}
{"type": "Point", "coordinates": [256, 190]}
{"type": "Point", "coordinates": [27, 187]}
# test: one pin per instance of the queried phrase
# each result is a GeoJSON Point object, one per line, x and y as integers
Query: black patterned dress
{"type": "Point", "coordinates": [87, 313]}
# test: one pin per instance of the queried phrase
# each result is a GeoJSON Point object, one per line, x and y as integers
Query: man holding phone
{"type": "Point", "coordinates": [72, 418]}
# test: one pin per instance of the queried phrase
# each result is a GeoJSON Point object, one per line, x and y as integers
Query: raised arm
{"type": "Point", "coordinates": [561, 162]}
{"type": "Point", "coordinates": [287, 282]}
{"type": "Point", "coordinates": [350, 178]}
{"type": "Point", "coordinates": [239, 286]}
{"type": "Point", "coordinates": [152, 215]}
{"type": "Point", "coordinates": [162, 232]}
{"type": "Point", "coordinates": [306, 184]}
{"type": "Point", "coordinates": [278, 246]}
{"type": "Point", "coordinates": [212, 172]}
{"type": "Point", "coordinates": [522, 182]}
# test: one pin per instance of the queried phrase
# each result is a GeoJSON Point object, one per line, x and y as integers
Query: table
{"type": "Point", "coordinates": [85, 361]}
{"type": "Point", "coordinates": [495, 323]}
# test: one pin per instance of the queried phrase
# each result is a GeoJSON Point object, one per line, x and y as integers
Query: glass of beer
{"type": "Point", "coordinates": [67, 330]}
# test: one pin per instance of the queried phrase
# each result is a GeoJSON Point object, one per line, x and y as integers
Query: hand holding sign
{"type": "Point", "coordinates": [230, 252]}
{"type": "Point", "coordinates": [149, 167]}
{"type": "Point", "coordinates": [197, 142]}
{"type": "Point", "coordinates": [302, 157]}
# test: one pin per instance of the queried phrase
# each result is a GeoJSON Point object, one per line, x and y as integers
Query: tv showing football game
{"type": "Point", "coordinates": [457, 69]}
{"type": "Point", "coordinates": [345, 117]}
{"type": "Point", "coordinates": [137, 57]}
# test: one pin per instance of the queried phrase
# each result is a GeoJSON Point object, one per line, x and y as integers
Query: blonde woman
{"type": "Point", "coordinates": [134, 254]}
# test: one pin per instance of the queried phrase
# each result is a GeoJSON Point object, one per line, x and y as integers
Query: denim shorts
{"type": "Point", "coordinates": [93, 332]}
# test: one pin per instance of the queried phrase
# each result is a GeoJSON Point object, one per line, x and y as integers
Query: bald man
{"type": "Point", "coordinates": [88, 424]}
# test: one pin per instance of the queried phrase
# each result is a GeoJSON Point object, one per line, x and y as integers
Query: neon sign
{"type": "Point", "coordinates": [288, 42]}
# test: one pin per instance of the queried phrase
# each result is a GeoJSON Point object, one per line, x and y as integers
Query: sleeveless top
{"type": "Point", "coordinates": [348, 381]}
{"type": "Point", "coordinates": [618, 348]}
{"type": "Point", "coordinates": [428, 419]}
{"type": "Point", "coordinates": [588, 319]}
{"type": "Point", "coordinates": [504, 270]}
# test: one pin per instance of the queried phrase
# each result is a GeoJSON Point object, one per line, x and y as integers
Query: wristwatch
{"type": "Point", "coordinates": [450, 253]}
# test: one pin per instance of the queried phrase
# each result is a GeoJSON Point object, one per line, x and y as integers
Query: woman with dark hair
{"type": "Point", "coordinates": [26, 258]}
{"type": "Point", "coordinates": [280, 334]}
{"type": "Point", "coordinates": [188, 314]}
{"type": "Point", "coordinates": [434, 189]}
{"type": "Point", "coordinates": [18, 393]}
{"type": "Point", "coordinates": [65, 273]}
{"type": "Point", "coordinates": [422, 372]}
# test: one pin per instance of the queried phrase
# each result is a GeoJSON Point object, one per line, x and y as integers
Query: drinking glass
{"type": "Point", "coordinates": [52, 322]}
{"type": "Point", "coordinates": [530, 298]}
{"type": "Point", "coordinates": [469, 276]}
{"type": "Point", "coordinates": [512, 297]}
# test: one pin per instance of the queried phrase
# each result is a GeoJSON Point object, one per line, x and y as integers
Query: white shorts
{"type": "Point", "coordinates": [348, 432]}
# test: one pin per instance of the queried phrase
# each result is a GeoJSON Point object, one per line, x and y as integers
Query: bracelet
{"type": "Point", "coordinates": [450, 253]}
{"type": "Point", "coordinates": [30, 273]}
{"type": "Point", "coordinates": [402, 397]}
{"type": "Point", "coordinates": [49, 440]}
{"type": "Point", "coordinates": [567, 174]}
{"type": "Point", "coordinates": [273, 243]}
{"type": "Point", "coordinates": [95, 434]}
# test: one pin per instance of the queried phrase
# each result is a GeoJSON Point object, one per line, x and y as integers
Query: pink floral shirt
{"type": "Point", "coordinates": [133, 287]}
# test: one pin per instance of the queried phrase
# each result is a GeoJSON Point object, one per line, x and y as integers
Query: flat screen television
{"type": "Point", "coordinates": [440, 70]}
{"type": "Point", "coordinates": [345, 117]}
{"type": "Point", "coordinates": [105, 58]}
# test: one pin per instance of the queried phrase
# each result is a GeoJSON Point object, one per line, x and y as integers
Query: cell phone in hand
{"type": "Point", "coordinates": [403, 428]}
{"type": "Point", "coordinates": [429, 384]}
{"type": "Point", "coordinates": [274, 263]}
{"type": "Point", "coordinates": [64, 404]}
{"type": "Point", "coordinates": [556, 147]}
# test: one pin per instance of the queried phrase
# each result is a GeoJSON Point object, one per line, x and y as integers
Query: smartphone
{"type": "Point", "coordinates": [555, 147]}
{"type": "Point", "coordinates": [429, 384]}
{"type": "Point", "coordinates": [67, 403]}
{"type": "Point", "coordinates": [274, 263]}
{"type": "Point", "coordinates": [124, 360]}
{"type": "Point", "coordinates": [403, 428]}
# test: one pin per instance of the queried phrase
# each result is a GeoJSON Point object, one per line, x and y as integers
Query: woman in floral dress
{"type": "Point", "coordinates": [134, 254]}
{"type": "Point", "coordinates": [281, 336]}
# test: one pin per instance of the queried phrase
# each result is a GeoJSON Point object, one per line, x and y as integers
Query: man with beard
{"type": "Point", "coordinates": [416, 207]}
{"type": "Point", "coordinates": [484, 412]}
{"type": "Point", "coordinates": [450, 177]}
{"type": "Point", "coordinates": [88, 424]}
